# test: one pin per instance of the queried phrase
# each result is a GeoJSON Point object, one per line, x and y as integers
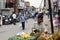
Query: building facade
{"type": "Point", "coordinates": [7, 3]}
{"type": "Point", "coordinates": [2, 4]}
{"type": "Point", "coordinates": [7, 6]}
{"type": "Point", "coordinates": [10, 3]}
{"type": "Point", "coordinates": [21, 4]}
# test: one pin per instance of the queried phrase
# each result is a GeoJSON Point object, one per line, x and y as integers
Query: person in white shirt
{"type": "Point", "coordinates": [40, 25]}
{"type": "Point", "coordinates": [14, 18]}
{"type": "Point", "coordinates": [19, 14]}
{"type": "Point", "coordinates": [55, 24]}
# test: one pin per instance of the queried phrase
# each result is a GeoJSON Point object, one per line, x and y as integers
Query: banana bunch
{"type": "Point", "coordinates": [57, 36]}
{"type": "Point", "coordinates": [33, 34]}
{"type": "Point", "coordinates": [44, 36]}
{"type": "Point", "coordinates": [25, 36]}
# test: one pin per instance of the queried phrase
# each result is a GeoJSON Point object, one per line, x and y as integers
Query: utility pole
{"type": "Point", "coordinates": [51, 20]}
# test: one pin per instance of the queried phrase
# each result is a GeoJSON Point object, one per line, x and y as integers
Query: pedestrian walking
{"type": "Point", "coordinates": [47, 13]}
{"type": "Point", "coordinates": [23, 19]}
{"type": "Point", "coordinates": [19, 14]}
{"type": "Point", "coordinates": [14, 18]}
{"type": "Point", "coordinates": [56, 23]}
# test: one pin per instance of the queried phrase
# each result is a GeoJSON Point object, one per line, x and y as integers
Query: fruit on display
{"type": "Point", "coordinates": [58, 33]}
{"type": "Point", "coordinates": [32, 34]}
{"type": "Point", "coordinates": [57, 36]}
{"type": "Point", "coordinates": [25, 36]}
{"type": "Point", "coordinates": [41, 38]}
{"type": "Point", "coordinates": [44, 36]}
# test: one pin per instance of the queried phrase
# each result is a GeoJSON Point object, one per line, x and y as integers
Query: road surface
{"type": "Point", "coordinates": [7, 31]}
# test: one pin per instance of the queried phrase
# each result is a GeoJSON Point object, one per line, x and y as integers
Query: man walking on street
{"type": "Point", "coordinates": [14, 18]}
{"type": "Point", "coordinates": [23, 19]}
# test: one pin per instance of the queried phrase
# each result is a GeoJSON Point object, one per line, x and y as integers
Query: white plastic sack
{"type": "Point", "coordinates": [20, 33]}
{"type": "Point", "coordinates": [20, 25]}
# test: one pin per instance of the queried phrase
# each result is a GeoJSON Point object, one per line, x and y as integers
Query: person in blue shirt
{"type": "Point", "coordinates": [35, 15]}
{"type": "Point", "coordinates": [23, 19]}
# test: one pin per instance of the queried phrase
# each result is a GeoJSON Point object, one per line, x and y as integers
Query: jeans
{"type": "Point", "coordinates": [14, 21]}
{"type": "Point", "coordinates": [23, 25]}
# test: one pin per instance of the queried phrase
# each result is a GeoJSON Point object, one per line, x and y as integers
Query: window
{"type": "Point", "coordinates": [9, 4]}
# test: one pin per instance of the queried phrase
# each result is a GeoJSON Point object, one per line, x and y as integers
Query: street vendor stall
{"type": "Point", "coordinates": [33, 36]}
{"type": "Point", "coordinates": [36, 35]}
{"type": "Point", "coordinates": [22, 36]}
